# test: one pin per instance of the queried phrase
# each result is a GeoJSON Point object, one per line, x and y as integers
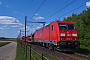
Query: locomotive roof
{"type": "Point", "coordinates": [58, 21]}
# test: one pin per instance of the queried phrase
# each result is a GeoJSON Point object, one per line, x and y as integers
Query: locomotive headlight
{"type": "Point", "coordinates": [74, 34]}
{"type": "Point", "coordinates": [62, 34]}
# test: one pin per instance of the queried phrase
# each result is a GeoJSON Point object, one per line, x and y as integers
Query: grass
{"type": "Point", "coordinates": [4, 43]}
{"type": "Point", "coordinates": [50, 57]}
{"type": "Point", "coordinates": [38, 57]}
{"type": "Point", "coordinates": [35, 55]}
{"type": "Point", "coordinates": [84, 47]}
{"type": "Point", "coordinates": [21, 54]}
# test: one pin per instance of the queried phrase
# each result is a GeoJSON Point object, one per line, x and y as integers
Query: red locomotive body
{"type": "Point", "coordinates": [58, 35]}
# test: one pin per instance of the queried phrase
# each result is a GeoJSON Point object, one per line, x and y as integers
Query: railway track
{"type": "Point", "coordinates": [81, 56]}
{"type": "Point", "coordinates": [61, 55]}
{"type": "Point", "coordinates": [77, 56]}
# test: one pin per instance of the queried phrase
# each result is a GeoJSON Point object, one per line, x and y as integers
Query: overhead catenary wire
{"type": "Point", "coordinates": [61, 9]}
{"type": "Point", "coordinates": [59, 6]}
{"type": "Point", "coordinates": [38, 9]}
{"type": "Point", "coordinates": [72, 10]}
{"type": "Point", "coordinates": [29, 6]}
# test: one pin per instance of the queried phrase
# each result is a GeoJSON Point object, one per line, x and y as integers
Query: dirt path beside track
{"type": "Point", "coordinates": [8, 52]}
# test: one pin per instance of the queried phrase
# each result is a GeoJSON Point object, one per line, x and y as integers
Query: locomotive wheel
{"type": "Point", "coordinates": [52, 47]}
{"type": "Point", "coordinates": [47, 45]}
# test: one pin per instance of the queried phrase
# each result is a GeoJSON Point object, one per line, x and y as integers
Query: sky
{"type": "Point", "coordinates": [13, 12]}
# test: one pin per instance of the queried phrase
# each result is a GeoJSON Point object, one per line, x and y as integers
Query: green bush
{"type": "Point", "coordinates": [84, 47]}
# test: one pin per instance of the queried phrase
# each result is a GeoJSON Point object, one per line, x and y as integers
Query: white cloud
{"type": "Point", "coordinates": [27, 27]}
{"type": "Point", "coordinates": [31, 28]}
{"type": "Point", "coordinates": [8, 6]}
{"type": "Point", "coordinates": [46, 24]}
{"type": "Point", "coordinates": [8, 20]}
{"type": "Point", "coordinates": [36, 14]}
{"type": "Point", "coordinates": [15, 12]}
{"type": "Point", "coordinates": [21, 24]}
{"type": "Point", "coordinates": [4, 27]}
{"type": "Point", "coordinates": [6, 34]}
{"type": "Point", "coordinates": [1, 31]}
{"type": "Point", "coordinates": [0, 3]}
{"type": "Point", "coordinates": [15, 26]}
{"type": "Point", "coordinates": [38, 27]}
{"type": "Point", "coordinates": [22, 13]}
{"type": "Point", "coordinates": [18, 13]}
{"type": "Point", "coordinates": [88, 4]}
{"type": "Point", "coordinates": [37, 17]}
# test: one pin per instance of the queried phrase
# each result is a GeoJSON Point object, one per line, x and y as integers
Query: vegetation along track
{"type": "Point", "coordinates": [61, 55]}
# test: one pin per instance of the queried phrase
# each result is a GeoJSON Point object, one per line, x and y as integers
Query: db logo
{"type": "Point", "coordinates": [68, 35]}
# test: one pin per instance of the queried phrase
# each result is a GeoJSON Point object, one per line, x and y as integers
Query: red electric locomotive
{"type": "Point", "coordinates": [58, 35]}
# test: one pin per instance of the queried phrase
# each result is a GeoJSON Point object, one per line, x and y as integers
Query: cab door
{"type": "Point", "coordinates": [52, 32]}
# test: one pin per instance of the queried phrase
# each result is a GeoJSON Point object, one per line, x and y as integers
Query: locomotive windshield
{"type": "Point", "coordinates": [66, 26]}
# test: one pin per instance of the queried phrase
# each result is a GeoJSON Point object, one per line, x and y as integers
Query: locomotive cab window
{"type": "Point", "coordinates": [52, 27]}
{"type": "Point", "coordinates": [66, 27]}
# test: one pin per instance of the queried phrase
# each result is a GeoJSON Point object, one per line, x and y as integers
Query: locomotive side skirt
{"type": "Point", "coordinates": [46, 41]}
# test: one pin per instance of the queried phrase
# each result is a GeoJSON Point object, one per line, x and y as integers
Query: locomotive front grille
{"type": "Point", "coordinates": [66, 44]}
